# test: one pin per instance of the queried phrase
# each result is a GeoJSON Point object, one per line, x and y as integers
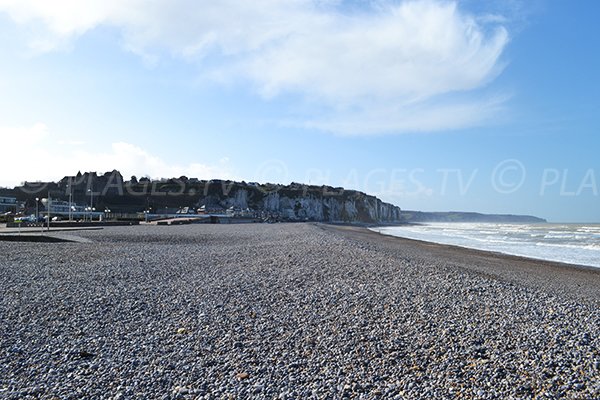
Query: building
{"type": "Point", "coordinates": [210, 209]}
{"type": "Point", "coordinates": [8, 204]}
{"type": "Point", "coordinates": [61, 208]}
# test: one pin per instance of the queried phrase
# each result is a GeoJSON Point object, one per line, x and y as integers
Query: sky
{"type": "Point", "coordinates": [431, 105]}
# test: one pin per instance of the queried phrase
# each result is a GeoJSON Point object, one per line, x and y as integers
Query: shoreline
{"type": "Point", "coordinates": [572, 279]}
{"type": "Point", "coordinates": [498, 253]}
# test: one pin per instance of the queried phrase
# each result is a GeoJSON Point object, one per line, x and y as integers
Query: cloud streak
{"type": "Point", "coordinates": [387, 67]}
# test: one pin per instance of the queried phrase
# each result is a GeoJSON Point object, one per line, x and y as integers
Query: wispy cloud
{"type": "Point", "coordinates": [431, 116]}
{"type": "Point", "coordinates": [386, 66]}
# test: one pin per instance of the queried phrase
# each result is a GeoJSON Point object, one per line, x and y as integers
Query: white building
{"type": "Point", "coordinates": [61, 208]}
{"type": "Point", "coordinates": [8, 204]}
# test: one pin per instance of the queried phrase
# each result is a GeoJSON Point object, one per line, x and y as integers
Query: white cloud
{"type": "Point", "coordinates": [13, 136]}
{"type": "Point", "coordinates": [407, 53]}
{"type": "Point", "coordinates": [42, 160]}
{"type": "Point", "coordinates": [419, 117]}
{"type": "Point", "coordinates": [71, 142]}
{"type": "Point", "coordinates": [131, 159]}
{"type": "Point", "coordinates": [386, 60]}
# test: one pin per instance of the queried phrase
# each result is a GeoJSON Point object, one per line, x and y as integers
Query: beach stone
{"type": "Point", "coordinates": [242, 375]}
{"type": "Point", "coordinates": [85, 354]}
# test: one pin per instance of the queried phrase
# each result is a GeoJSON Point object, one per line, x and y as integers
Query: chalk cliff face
{"type": "Point", "coordinates": [297, 202]}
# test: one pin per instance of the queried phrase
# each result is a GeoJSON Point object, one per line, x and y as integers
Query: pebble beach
{"type": "Point", "coordinates": [284, 311]}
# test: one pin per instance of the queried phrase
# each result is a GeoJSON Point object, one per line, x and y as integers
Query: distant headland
{"type": "Point", "coordinates": [459, 216]}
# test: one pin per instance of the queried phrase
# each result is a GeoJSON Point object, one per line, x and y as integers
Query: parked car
{"type": "Point", "coordinates": [25, 218]}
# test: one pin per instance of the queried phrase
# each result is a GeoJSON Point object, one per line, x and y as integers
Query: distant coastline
{"type": "Point", "coordinates": [410, 216]}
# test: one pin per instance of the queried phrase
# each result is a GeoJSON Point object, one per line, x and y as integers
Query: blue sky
{"type": "Point", "coordinates": [431, 105]}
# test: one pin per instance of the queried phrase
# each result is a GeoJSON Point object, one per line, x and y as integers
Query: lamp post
{"type": "Point", "coordinates": [91, 201]}
{"type": "Point", "coordinates": [48, 213]}
{"type": "Point", "coordinates": [37, 210]}
{"type": "Point", "coordinates": [70, 186]}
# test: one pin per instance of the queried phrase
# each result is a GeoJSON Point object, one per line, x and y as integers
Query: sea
{"type": "Point", "coordinates": [568, 243]}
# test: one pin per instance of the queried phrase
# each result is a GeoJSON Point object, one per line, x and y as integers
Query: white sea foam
{"type": "Point", "coordinates": [569, 243]}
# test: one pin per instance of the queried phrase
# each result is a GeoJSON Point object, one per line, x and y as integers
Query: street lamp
{"type": "Point", "coordinates": [91, 200]}
{"type": "Point", "coordinates": [48, 213]}
{"type": "Point", "coordinates": [37, 212]}
{"type": "Point", "coordinates": [70, 186]}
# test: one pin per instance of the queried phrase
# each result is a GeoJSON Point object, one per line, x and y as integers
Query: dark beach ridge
{"type": "Point", "coordinates": [290, 311]}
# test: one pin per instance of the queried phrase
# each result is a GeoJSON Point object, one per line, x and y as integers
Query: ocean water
{"type": "Point", "coordinates": [569, 243]}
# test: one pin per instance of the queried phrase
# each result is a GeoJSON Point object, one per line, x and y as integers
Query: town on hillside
{"type": "Point", "coordinates": [94, 198]}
